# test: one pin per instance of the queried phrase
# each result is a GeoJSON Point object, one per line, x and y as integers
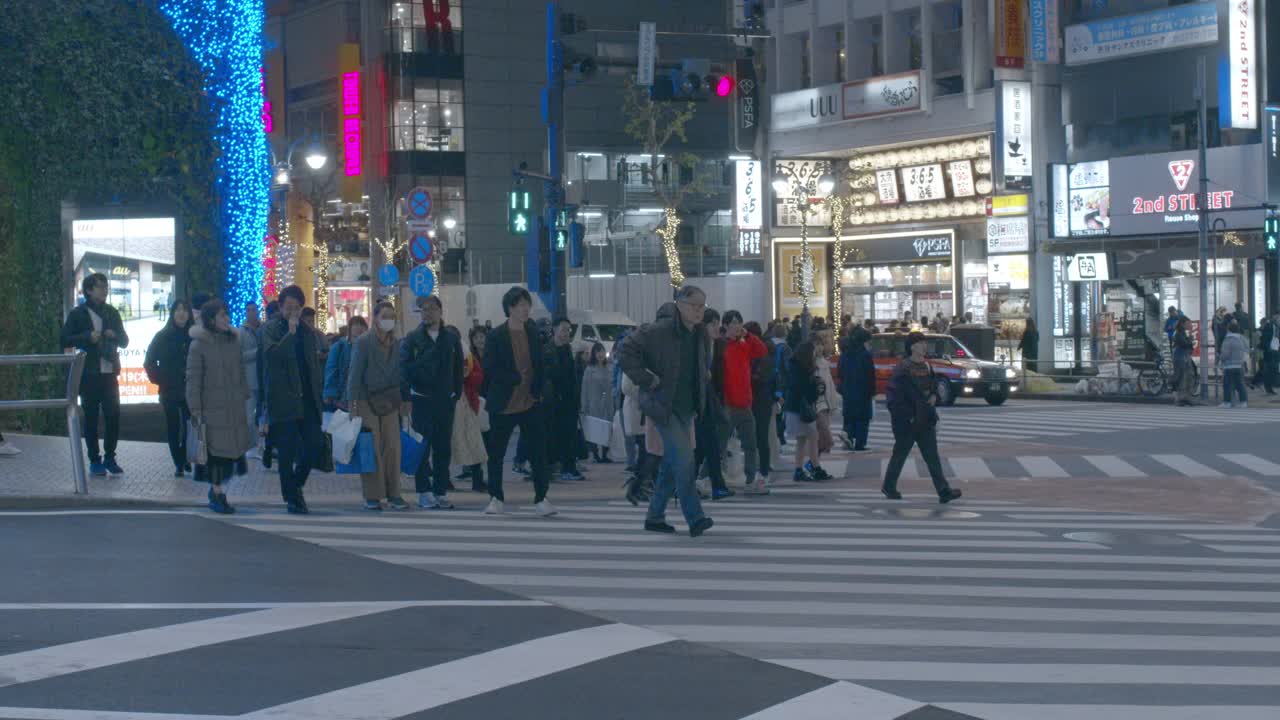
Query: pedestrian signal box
{"type": "Point", "coordinates": [1271, 233]}
{"type": "Point", "coordinates": [518, 213]}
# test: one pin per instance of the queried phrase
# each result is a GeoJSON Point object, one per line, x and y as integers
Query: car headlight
{"type": "Point", "coordinates": [1009, 373]}
{"type": "Point", "coordinates": [973, 374]}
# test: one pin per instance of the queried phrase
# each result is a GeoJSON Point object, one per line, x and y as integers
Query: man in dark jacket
{"type": "Point", "coordinates": [96, 328]}
{"type": "Point", "coordinates": [667, 360]}
{"type": "Point", "coordinates": [293, 386]}
{"type": "Point", "coordinates": [912, 400]}
{"type": "Point", "coordinates": [857, 387]}
{"type": "Point", "coordinates": [1270, 357]}
{"type": "Point", "coordinates": [711, 429]}
{"type": "Point", "coordinates": [564, 396]}
{"type": "Point", "coordinates": [514, 381]}
{"type": "Point", "coordinates": [763, 403]}
{"type": "Point", "coordinates": [431, 370]}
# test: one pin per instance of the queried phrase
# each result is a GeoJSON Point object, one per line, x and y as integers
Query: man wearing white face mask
{"type": "Point", "coordinates": [431, 366]}
{"type": "Point", "coordinates": [374, 389]}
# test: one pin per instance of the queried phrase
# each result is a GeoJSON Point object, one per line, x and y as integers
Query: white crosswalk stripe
{"type": "Point", "coordinates": [985, 612]}
{"type": "Point", "coordinates": [963, 467]}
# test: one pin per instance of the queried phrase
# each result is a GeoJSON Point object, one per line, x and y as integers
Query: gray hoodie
{"type": "Point", "coordinates": [1234, 351]}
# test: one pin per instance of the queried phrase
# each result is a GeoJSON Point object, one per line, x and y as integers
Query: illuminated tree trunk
{"type": "Point", "coordinates": [668, 232]}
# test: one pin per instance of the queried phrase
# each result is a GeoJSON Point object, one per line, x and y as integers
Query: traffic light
{"type": "Point", "coordinates": [694, 81]}
{"type": "Point", "coordinates": [1271, 232]}
{"type": "Point", "coordinates": [519, 217]}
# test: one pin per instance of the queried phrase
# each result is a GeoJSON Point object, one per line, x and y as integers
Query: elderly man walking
{"type": "Point", "coordinates": [667, 360]}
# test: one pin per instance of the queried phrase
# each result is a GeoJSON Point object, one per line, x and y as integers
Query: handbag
{"type": "Point", "coordinates": [344, 429]}
{"type": "Point", "coordinates": [197, 442]}
{"type": "Point", "coordinates": [384, 402]}
{"type": "Point", "coordinates": [325, 463]}
{"type": "Point", "coordinates": [412, 449]}
{"type": "Point", "coordinates": [362, 457]}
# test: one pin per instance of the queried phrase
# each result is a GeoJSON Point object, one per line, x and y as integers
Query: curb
{"type": "Point", "coordinates": [77, 502]}
{"type": "Point", "coordinates": [1077, 397]}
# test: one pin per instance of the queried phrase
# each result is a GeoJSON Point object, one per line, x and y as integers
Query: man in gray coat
{"type": "Point", "coordinates": [667, 360]}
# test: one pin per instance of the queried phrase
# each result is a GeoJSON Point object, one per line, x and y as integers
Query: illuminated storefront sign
{"type": "Point", "coordinates": [351, 183]}
{"type": "Point", "coordinates": [1242, 85]}
{"type": "Point", "coordinates": [1166, 29]}
{"type": "Point", "coordinates": [749, 196]}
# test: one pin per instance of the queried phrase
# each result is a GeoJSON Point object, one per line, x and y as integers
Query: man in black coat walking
{"type": "Point", "coordinates": [96, 328]}
{"type": "Point", "coordinates": [431, 365]}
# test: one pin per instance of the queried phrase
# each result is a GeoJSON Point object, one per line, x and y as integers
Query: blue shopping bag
{"type": "Point", "coordinates": [411, 452]}
{"type": "Point", "coordinates": [362, 457]}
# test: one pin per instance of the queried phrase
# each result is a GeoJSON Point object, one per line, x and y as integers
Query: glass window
{"type": "Point", "coordinates": [806, 73]}
{"type": "Point", "coordinates": [448, 197]}
{"type": "Point", "coordinates": [432, 119]}
{"type": "Point", "coordinates": [840, 56]}
{"type": "Point", "coordinates": [427, 26]}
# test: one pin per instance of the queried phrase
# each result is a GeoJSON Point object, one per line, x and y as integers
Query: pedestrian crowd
{"type": "Point", "coordinates": [669, 399]}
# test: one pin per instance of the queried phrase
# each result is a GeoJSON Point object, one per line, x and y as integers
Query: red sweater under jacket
{"type": "Point", "coordinates": [738, 355]}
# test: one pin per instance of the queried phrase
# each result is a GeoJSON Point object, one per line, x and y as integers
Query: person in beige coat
{"type": "Point", "coordinates": [373, 389]}
{"type": "Point", "coordinates": [216, 392]}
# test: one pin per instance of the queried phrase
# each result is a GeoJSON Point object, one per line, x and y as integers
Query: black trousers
{"type": "Point", "coordinates": [176, 415]}
{"type": "Point", "coordinates": [764, 417]}
{"type": "Point", "coordinates": [300, 443]}
{"type": "Point", "coordinates": [532, 424]}
{"type": "Point", "coordinates": [927, 440]}
{"type": "Point", "coordinates": [565, 438]}
{"type": "Point", "coordinates": [710, 450]}
{"type": "Point", "coordinates": [100, 396]}
{"type": "Point", "coordinates": [433, 419]}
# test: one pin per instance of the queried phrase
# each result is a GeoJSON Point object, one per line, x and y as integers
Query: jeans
{"type": "Point", "coordinates": [299, 444]}
{"type": "Point", "coordinates": [764, 420]}
{"type": "Point", "coordinates": [532, 424]}
{"type": "Point", "coordinates": [927, 440]}
{"type": "Point", "coordinates": [742, 422]}
{"type": "Point", "coordinates": [433, 420]}
{"type": "Point", "coordinates": [100, 395]}
{"type": "Point", "coordinates": [1233, 379]}
{"type": "Point", "coordinates": [857, 429]}
{"type": "Point", "coordinates": [176, 415]}
{"type": "Point", "coordinates": [675, 477]}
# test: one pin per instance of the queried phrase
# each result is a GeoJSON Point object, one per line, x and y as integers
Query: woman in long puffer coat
{"type": "Point", "coordinates": [216, 392]}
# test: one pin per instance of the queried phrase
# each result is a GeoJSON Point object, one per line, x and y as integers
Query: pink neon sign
{"type": "Point", "coordinates": [351, 140]}
{"type": "Point", "coordinates": [267, 123]}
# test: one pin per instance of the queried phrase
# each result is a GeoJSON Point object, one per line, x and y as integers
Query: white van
{"type": "Point", "coordinates": [591, 326]}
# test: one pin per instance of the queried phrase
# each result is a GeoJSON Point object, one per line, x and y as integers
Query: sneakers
{"type": "Point", "coordinates": [1243, 405]}
{"type": "Point", "coordinates": [756, 488]}
{"type": "Point", "coordinates": [658, 526]}
{"type": "Point", "coordinates": [1224, 405]}
{"type": "Point", "coordinates": [520, 468]}
{"type": "Point", "coordinates": [442, 503]}
{"type": "Point", "coordinates": [703, 486]}
{"type": "Point", "coordinates": [721, 493]}
{"type": "Point", "coordinates": [113, 467]}
{"type": "Point", "coordinates": [817, 472]}
{"type": "Point", "coordinates": [802, 476]}
{"type": "Point", "coordinates": [179, 473]}
{"type": "Point", "coordinates": [428, 501]}
{"type": "Point", "coordinates": [571, 477]}
{"type": "Point", "coordinates": [949, 495]}
{"type": "Point", "coordinates": [398, 503]}
{"type": "Point", "coordinates": [97, 469]}
{"type": "Point", "coordinates": [373, 505]}
{"type": "Point", "coordinates": [218, 503]}
{"type": "Point", "coordinates": [700, 526]}
{"type": "Point", "coordinates": [295, 508]}
{"type": "Point", "coordinates": [890, 494]}
{"type": "Point", "coordinates": [544, 509]}
{"type": "Point", "coordinates": [8, 450]}
{"type": "Point", "coordinates": [495, 507]}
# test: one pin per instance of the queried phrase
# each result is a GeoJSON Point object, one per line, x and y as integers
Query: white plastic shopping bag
{"type": "Point", "coordinates": [345, 430]}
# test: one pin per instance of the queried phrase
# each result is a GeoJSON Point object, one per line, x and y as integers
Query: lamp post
{"type": "Point", "coordinates": [316, 158]}
{"type": "Point", "coordinates": [802, 190]}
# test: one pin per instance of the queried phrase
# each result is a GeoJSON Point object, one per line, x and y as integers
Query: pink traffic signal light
{"type": "Point", "coordinates": [724, 86]}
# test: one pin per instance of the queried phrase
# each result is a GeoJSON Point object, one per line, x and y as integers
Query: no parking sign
{"type": "Point", "coordinates": [418, 203]}
{"type": "Point", "coordinates": [420, 248]}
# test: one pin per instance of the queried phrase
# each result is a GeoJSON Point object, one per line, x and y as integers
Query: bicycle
{"type": "Point", "coordinates": [1154, 381]}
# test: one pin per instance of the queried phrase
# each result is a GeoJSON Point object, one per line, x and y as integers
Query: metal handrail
{"type": "Point", "coordinates": [70, 404]}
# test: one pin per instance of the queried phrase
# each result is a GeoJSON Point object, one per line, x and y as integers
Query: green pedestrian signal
{"type": "Point", "coordinates": [518, 213]}
{"type": "Point", "coordinates": [562, 239]}
{"type": "Point", "coordinates": [1271, 233]}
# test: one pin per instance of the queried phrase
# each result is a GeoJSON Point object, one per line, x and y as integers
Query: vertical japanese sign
{"type": "Point", "coordinates": [1243, 81]}
{"type": "Point", "coordinates": [352, 134]}
{"type": "Point", "coordinates": [749, 207]}
{"type": "Point", "coordinates": [1015, 132]}
{"type": "Point", "coordinates": [646, 53]}
{"type": "Point", "coordinates": [1011, 33]}
{"type": "Point", "coordinates": [746, 105]}
{"type": "Point", "coordinates": [1046, 46]}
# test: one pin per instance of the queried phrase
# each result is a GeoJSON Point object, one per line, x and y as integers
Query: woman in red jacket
{"type": "Point", "coordinates": [471, 425]}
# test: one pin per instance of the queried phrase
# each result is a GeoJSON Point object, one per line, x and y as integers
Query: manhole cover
{"type": "Point", "coordinates": [923, 513]}
{"type": "Point", "coordinates": [1126, 538]}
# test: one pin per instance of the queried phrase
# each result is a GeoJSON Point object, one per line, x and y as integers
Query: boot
{"type": "Point", "coordinates": [635, 490]}
{"type": "Point", "coordinates": [477, 480]}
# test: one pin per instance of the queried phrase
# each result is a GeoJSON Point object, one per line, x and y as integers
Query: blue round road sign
{"type": "Point", "coordinates": [420, 248]}
{"type": "Point", "coordinates": [422, 281]}
{"type": "Point", "coordinates": [418, 203]}
{"type": "Point", "coordinates": [388, 275]}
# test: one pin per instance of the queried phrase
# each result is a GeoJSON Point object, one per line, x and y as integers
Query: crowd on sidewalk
{"type": "Point", "coordinates": [670, 398]}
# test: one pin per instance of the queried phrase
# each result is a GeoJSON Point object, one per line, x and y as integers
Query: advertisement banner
{"type": "Point", "coordinates": [351, 181]}
{"type": "Point", "coordinates": [1011, 33]}
{"type": "Point", "coordinates": [1061, 215]}
{"type": "Point", "coordinates": [1175, 27]}
{"type": "Point", "coordinates": [1008, 235]}
{"type": "Point", "coordinates": [746, 105]}
{"type": "Point", "coordinates": [884, 95]}
{"type": "Point", "coordinates": [805, 172]}
{"type": "Point", "coordinates": [1271, 148]}
{"type": "Point", "coordinates": [646, 53]}
{"type": "Point", "coordinates": [900, 247]}
{"type": "Point", "coordinates": [793, 275]}
{"type": "Point", "coordinates": [749, 195]}
{"type": "Point", "coordinates": [1155, 194]}
{"type": "Point", "coordinates": [1045, 45]}
{"type": "Point", "coordinates": [1242, 87]}
{"type": "Point", "coordinates": [1015, 132]}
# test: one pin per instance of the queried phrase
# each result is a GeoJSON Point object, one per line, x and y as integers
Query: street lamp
{"type": "Point", "coordinates": [791, 183]}
{"type": "Point", "coordinates": [449, 221]}
{"type": "Point", "coordinates": [316, 157]}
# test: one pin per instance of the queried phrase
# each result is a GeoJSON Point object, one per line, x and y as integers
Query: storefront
{"type": "Point", "coordinates": [1126, 248]}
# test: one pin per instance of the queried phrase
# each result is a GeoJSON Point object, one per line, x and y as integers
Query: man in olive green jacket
{"type": "Point", "coordinates": [294, 378]}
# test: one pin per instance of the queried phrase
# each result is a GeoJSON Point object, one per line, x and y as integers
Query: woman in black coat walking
{"type": "Point", "coordinates": [1030, 346]}
{"type": "Point", "coordinates": [911, 400]}
{"type": "Point", "coordinates": [166, 367]}
{"type": "Point", "coordinates": [857, 387]}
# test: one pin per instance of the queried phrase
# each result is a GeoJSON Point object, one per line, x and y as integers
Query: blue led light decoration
{"type": "Point", "coordinates": [226, 39]}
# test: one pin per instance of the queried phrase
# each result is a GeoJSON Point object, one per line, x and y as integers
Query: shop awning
{"type": "Point", "coordinates": [1233, 244]}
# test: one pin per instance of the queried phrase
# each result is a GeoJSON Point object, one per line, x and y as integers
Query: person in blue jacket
{"type": "Point", "coordinates": [857, 386]}
{"type": "Point", "coordinates": [338, 365]}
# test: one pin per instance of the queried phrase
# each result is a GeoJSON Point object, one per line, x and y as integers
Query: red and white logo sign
{"type": "Point", "coordinates": [1180, 171]}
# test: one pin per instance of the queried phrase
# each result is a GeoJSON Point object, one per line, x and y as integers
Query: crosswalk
{"type": "Point", "coordinates": [1138, 465]}
{"type": "Point", "coordinates": [990, 609]}
{"type": "Point", "coordinates": [1058, 419]}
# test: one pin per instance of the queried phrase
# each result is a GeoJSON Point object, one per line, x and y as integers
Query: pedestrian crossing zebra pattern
{"type": "Point", "coordinates": [988, 609]}
{"type": "Point", "coordinates": [1040, 420]}
{"type": "Point", "coordinates": [1204, 465]}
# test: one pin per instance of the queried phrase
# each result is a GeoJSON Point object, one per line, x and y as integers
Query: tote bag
{"type": "Point", "coordinates": [362, 457]}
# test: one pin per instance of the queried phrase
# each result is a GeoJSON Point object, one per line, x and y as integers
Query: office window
{"type": "Point", "coordinates": [841, 56]}
{"type": "Point", "coordinates": [948, 19]}
{"type": "Point", "coordinates": [448, 196]}
{"type": "Point", "coordinates": [908, 55]}
{"type": "Point", "coordinates": [425, 26]}
{"type": "Point", "coordinates": [432, 119]}
{"type": "Point", "coordinates": [866, 45]}
{"type": "Point", "coordinates": [806, 72]}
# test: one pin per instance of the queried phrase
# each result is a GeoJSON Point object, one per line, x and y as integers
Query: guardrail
{"type": "Point", "coordinates": [70, 404]}
{"type": "Point", "coordinates": [1146, 378]}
